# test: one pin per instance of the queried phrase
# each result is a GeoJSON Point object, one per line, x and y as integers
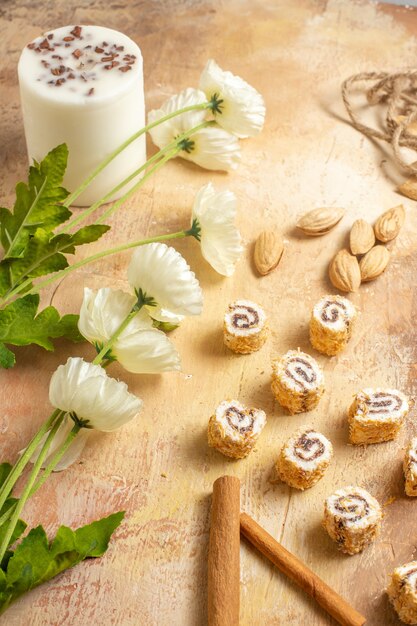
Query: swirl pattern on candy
{"type": "Point", "coordinates": [376, 415]}
{"type": "Point", "coordinates": [402, 592]}
{"type": "Point", "coordinates": [304, 458]}
{"type": "Point", "coordinates": [234, 429]}
{"type": "Point", "coordinates": [352, 517]}
{"type": "Point", "coordinates": [297, 381]}
{"type": "Point", "coordinates": [410, 468]}
{"type": "Point", "coordinates": [245, 327]}
{"type": "Point", "coordinates": [331, 324]}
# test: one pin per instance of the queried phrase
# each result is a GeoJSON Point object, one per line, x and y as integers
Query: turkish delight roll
{"type": "Point", "coordinates": [352, 517]}
{"type": "Point", "coordinates": [376, 415]}
{"type": "Point", "coordinates": [233, 429]}
{"type": "Point", "coordinates": [245, 327]}
{"type": "Point", "coordinates": [304, 458]}
{"type": "Point", "coordinates": [402, 592]}
{"type": "Point", "coordinates": [410, 468]}
{"type": "Point", "coordinates": [297, 381]}
{"type": "Point", "coordinates": [331, 324]}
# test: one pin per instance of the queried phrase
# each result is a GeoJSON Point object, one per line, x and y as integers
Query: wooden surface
{"type": "Point", "coordinates": [159, 468]}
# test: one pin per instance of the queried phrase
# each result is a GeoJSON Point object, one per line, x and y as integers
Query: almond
{"type": "Point", "coordinates": [320, 221]}
{"type": "Point", "coordinates": [344, 271]}
{"type": "Point", "coordinates": [362, 237]}
{"type": "Point", "coordinates": [268, 251]}
{"type": "Point", "coordinates": [409, 188]}
{"type": "Point", "coordinates": [389, 224]}
{"type": "Point", "coordinates": [374, 263]}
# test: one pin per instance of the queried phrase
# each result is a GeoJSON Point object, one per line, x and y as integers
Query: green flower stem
{"type": "Point", "coordinates": [7, 514]}
{"type": "Point", "coordinates": [107, 346]}
{"type": "Point", "coordinates": [24, 459]}
{"type": "Point", "coordinates": [28, 487]}
{"type": "Point", "coordinates": [115, 153]}
{"type": "Point", "coordinates": [167, 149]}
{"type": "Point", "coordinates": [55, 459]}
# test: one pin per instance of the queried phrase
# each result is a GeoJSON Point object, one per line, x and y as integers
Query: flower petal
{"type": "Point", "coordinates": [214, 149]}
{"type": "Point", "coordinates": [163, 274]}
{"type": "Point", "coordinates": [166, 132]}
{"type": "Point", "coordinates": [86, 390]}
{"type": "Point", "coordinates": [242, 110]}
{"type": "Point", "coordinates": [220, 239]}
{"type": "Point", "coordinates": [147, 352]}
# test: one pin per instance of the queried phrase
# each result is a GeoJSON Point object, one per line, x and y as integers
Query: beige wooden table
{"type": "Point", "coordinates": [159, 468]}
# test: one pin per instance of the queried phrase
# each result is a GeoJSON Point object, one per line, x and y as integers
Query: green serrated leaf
{"type": "Point", "coordinates": [35, 560]}
{"type": "Point", "coordinates": [5, 469]}
{"type": "Point", "coordinates": [21, 325]}
{"type": "Point", "coordinates": [7, 357]}
{"type": "Point", "coordinates": [38, 203]}
{"type": "Point", "coordinates": [45, 254]}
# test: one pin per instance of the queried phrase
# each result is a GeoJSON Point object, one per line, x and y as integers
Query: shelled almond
{"type": "Point", "coordinates": [269, 248]}
{"type": "Point", "coordinates": [374, 262]}
{"type": "Point", "coordinates": [344, 271]}
{"type": "Point", "coordinates": [389, 224]}
{"type": "Point", "coordinates": [362, 237]}
{"type": "Point", "coordinates": [320, 221]}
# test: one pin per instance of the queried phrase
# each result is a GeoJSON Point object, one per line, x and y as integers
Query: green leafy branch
{"type": "Point", "coordinates": [36, 559]}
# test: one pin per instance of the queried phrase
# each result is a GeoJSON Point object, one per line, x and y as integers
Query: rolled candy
{"type": "Point", "coordinates": [297, 381]}
{"type": "Point", "coordinates": [410, 468]}
{"type": "Point", "coordinates": [245, 327]}
{"type": "Point", "coordinates": [331, 324]}
{"type": "Point", "coordinates": [304, 458]}
{"type": "Point", "coordinates": [234, 429]}
{"type": "Point", "coordinates": [376, 415]}
{"type": "Point", "coordinates": [402, 592]}
{"type": "Point", "coordinates": [352, 517]}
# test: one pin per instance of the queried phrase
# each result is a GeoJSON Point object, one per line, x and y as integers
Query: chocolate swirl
{"type": "Point", "coordinates": [301, 372]}
{"type": "Point", "coordinates": [412, 454]}
{"type": "Point", "coordinates": [244, 316]}
{"type": "Point", "coordinates": [410, 577]}
{"type": "Point", "coordinates": [334, 310]}
{"type": "Point", "coordinates": [240, 420]}
{"type": "Point", "coordinates": [351, 507]}
{"type": "Point", "coordinates": [383, 402]}
{"type": "Point", "coordinates": [309, 446]}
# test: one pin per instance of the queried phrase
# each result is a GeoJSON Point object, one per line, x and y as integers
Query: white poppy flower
{"type": "Point", "coordinates": [215, 212]}
{"type": "Point", "coordinates": [211, 148]}
{"type": "Point", "coordinates": [85, 390]}
{"type": "Point", "coordinates": [140, 348]}
{"type": "Point", "coordinates": [161, 273]}
{"type": "Point", "coordinates": [71, 454]}
{"type": "Point", "coordinates": [241, 109]}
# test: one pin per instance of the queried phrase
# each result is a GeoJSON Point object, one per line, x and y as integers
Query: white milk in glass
{"type": "Point", "coordinates": [83, 86]}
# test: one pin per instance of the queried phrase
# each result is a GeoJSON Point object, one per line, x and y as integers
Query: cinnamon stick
{"type": "Point", "coordinates": [299, 573]}
{"type": "Point", "coordinates": [224, 553]}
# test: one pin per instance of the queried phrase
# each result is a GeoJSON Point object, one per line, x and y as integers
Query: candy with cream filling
{"type": "Point", "coordinates": [234, 429]}
{"type": "Point", "coordinates": [245, 328]}
{"type": "Point", "coordinates": [297, 381]}
{"type": "Point", "coordinates": [352, 517]}
{"type": "Point", "coordinates": [410, 468]}
{"type": "Point", "coordinates": [376, 415]}
{"type": "Point", "coordinates": [331, 324]}
{"type": "Point", "coordinates": [402, 592]}
{"type": "Point", "coordinates": [304, 458]}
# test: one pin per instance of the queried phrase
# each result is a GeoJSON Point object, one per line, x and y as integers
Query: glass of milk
{"type": "Point", "coordinates": [83, 86]}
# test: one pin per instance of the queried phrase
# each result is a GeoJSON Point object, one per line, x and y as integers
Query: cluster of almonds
{"type": "Point", "coordinates": [346, 271]}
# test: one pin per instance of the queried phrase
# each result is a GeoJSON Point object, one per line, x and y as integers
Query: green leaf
{"type": "Point", "coordinates": [5, 469]}
{"type": "Point", "coordinates": [44, 254]}
{"type": "Point", "coordinates": [7, 357]}
{"type": "Point", "coordinates": [38, 203]}
{"type": "Point", "coordinates": [35, 560]}
{"type": "Point", "coordinates": [22, 325]}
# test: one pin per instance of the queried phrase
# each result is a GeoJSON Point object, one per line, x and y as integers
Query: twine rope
{"type": "Point", "coordinates": [397, 93]}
